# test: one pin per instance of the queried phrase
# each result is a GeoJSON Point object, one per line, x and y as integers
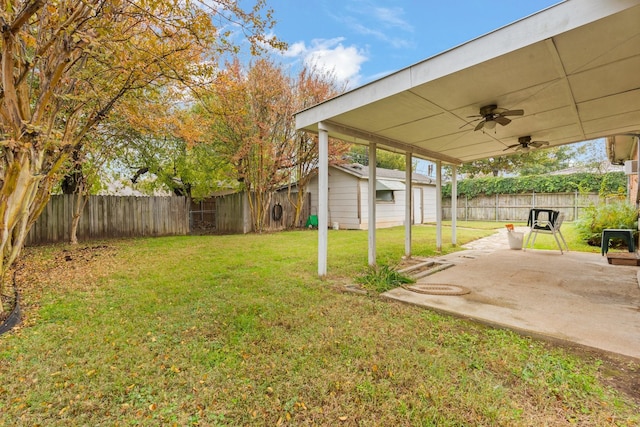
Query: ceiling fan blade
{"type": "Point", "coordinates": [512, 113]}
{"type": "Point", "coordinates": [538, 144]}
{"type": "Point", "coordinates": [468, 123]}
{"type": "Point", "coordinates": [502, 120]}
{"type": "Point", "coordinates": [480, 125]}
{"type": "Point", "coordinates": [511, 146]}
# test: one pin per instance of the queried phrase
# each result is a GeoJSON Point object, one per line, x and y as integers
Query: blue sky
{"type": "Point", "coordinates": [363, 40]}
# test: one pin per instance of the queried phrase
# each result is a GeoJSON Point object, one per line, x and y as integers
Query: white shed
{"type": "Point", "coordinates": [348, 197]}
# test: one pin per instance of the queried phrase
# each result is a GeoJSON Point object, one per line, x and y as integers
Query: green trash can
{"type": "Point", "coordinates": [312, 221]}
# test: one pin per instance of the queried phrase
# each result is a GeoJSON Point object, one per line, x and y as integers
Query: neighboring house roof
{"type": "Point", "coordinates": [362, 172]}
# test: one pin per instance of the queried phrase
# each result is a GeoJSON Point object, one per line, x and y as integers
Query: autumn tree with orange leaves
{"type": "Point", "coordinates": [254, 128]}
{"type": "Point", "coordinates": [312, 86]}
{"type": "Point", "coordinates": [251, 124]}
{"type": "Point", "coordinates": [67, 63]}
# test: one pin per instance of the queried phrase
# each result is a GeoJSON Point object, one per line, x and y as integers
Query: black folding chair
{"type": "Point", "coordinates": [545, 221]}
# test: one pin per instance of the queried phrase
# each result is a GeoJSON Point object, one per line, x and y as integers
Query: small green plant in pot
{"type": "Point", "coordinates": [382, 278]}
{"type": "Point", "coordinates": [617, 214]}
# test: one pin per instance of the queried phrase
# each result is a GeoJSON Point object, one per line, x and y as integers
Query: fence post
{"type": "Point", "coordinates": [533, 200]}
{"type": "Point", "coordinates": [466, 207]}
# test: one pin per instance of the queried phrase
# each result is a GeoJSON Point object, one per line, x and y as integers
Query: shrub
{"type": "Point", "coordinates": [382, 278]}
{"type": "Point", "coordinates": [616, 214]}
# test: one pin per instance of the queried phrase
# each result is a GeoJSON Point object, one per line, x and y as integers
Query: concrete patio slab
{"type": "Point", "coordinates": [578, 298]}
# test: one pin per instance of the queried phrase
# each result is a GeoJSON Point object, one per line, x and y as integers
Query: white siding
{"type": "Point", "coordinates": [312, 187]}
{"type": "Point", "coordinates": [343, 196]}
{"type": "Point", "coordinates": [343, 199]}
{"type": "Point", "coordinates": [388, 214]}
{"type": "Point", "coordinates": [346, 191]}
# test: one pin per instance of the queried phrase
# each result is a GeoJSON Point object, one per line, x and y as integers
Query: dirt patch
{"type": "Point", "coordinates": [619, 373]}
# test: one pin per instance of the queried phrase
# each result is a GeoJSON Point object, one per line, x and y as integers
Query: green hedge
{"type": "Point", "coordinates": [609, 183]}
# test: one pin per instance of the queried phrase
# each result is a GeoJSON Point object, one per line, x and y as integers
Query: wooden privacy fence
{"type": "Point", "coordinates": [515, 207]}
{"type": "Point", "coordinates": [111, 216]}
{"type": "Point", "coordinates": [231, 214]}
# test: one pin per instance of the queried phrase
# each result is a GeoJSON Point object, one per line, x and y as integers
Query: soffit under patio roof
{"type": "Point", "coordinates": [573, 68]}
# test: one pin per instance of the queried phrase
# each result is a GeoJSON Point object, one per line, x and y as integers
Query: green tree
{"type": "Point", "coordinates": [163, 147]}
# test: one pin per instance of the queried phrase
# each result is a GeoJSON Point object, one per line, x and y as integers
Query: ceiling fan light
{"type": "Point", "coordinates": [490, 124]}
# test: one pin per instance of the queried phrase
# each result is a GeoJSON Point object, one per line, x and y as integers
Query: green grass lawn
{"type": "Point", "coordinates": [239, 330]}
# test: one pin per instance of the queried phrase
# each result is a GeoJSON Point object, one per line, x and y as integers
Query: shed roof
{"type": "Point", "coordinates": [572, 68]}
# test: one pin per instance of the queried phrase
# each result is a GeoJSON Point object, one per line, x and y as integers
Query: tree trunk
{"type": "Point", "coordinates": [23, 195]}
{"type": "Point", "coordinates": [80, 201]}
{"type": "Point", "coordinates": [298, 203]}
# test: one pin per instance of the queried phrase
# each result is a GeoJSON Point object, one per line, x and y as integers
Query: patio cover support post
{"type": "Point", "coordinates": [323, 198]}
{"type": "Point", "coordinates": [372, 203]}
{"type": "Point", "coordinates": [454, 204]}
{"type": "Point", "coordinates": [438, 205]}
{"type": "Point", "coordinates": [407, 208]}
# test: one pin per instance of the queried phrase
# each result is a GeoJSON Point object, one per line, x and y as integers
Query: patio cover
{"type": "Point", "coordinates": [574, 69]}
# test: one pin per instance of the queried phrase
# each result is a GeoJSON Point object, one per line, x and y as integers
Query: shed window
{"type": "Point", "coordinates": [384, 196]}
{"type": "Point", "coordinates": [385, 189]}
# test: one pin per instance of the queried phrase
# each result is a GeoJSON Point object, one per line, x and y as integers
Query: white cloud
{"type": "Point", "coordinates": [295, 50]}
{"type": "Point", "coordinates": [382, 23]}
{"type": "Point", "coordinates": [392, 17]}
{"type": "Point", "coordinates": [331, 55]}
